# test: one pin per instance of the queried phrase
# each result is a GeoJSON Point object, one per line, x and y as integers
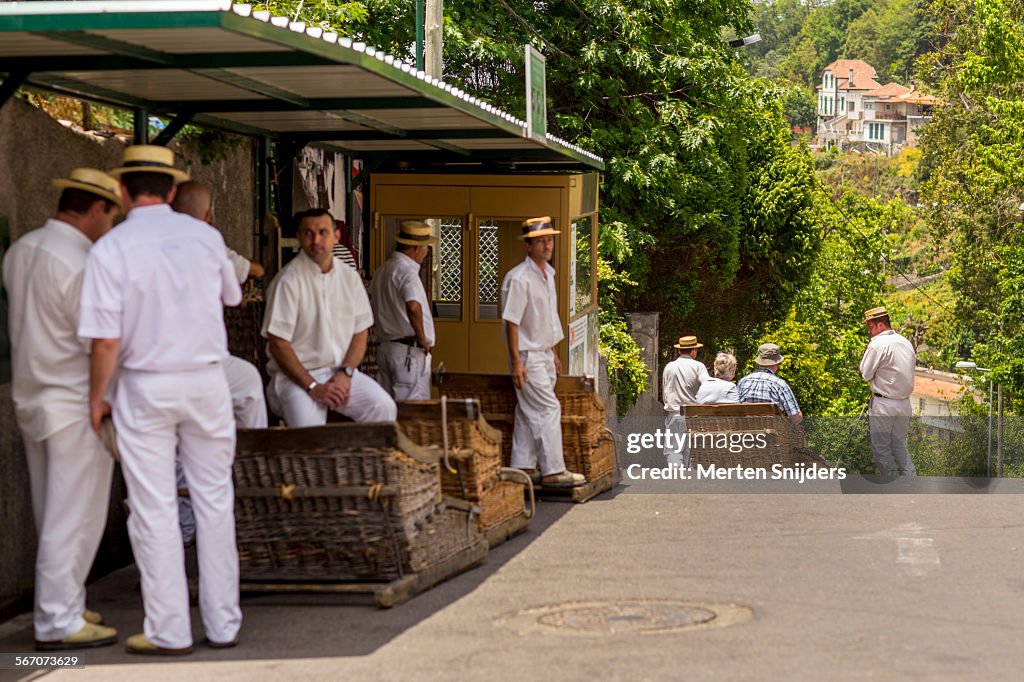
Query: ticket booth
{"type": "Point", "coordinates": [477, 219]}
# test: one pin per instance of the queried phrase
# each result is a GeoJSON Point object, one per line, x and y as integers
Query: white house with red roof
{"type": "Point", "coordinates": [855, 111]}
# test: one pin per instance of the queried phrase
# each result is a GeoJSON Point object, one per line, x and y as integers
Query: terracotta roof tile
{"type": "Point", "coordinates": [938, 389]}
{"type": "Point", "coordinates": [864, 74]}
{"type": "Point", "coordinates": [889, 91]}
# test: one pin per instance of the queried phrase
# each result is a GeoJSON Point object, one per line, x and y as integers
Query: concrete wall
{"type": "Point", "coordinates": [34, 149]}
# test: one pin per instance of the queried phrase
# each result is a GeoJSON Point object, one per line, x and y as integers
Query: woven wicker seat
{"type": "Point", "coordinates": [587, 444]}
{"type": "Point", "coordinates": [345, 502]}
{"type": "Point", "coordinates": [784, 440]}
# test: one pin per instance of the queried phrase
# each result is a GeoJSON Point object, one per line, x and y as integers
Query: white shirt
{"type": "Point", "coordinates": [395, 283]}
{"type": "Point", "coordinates": [241, 265]}
{"type": "Point", "coordinates": [316, 312]}
{"type": "Point", "coordinates": [680, 381]}
{"type": "Point", "coordinates": [530, 300]}
{"type": "Point", "coordinates": [715, 390]}
{"type": "Point", "coordinates": [43, 276]}
{"type": "Point", "coordinates": [158, 282]}
{"type": "Point", "coordinates": [888, 365]}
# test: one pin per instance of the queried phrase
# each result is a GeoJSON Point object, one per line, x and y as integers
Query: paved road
{"type": "Point", "coordinates": [838, 587]}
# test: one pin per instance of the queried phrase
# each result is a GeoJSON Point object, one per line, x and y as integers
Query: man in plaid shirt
{"type": "Point", "coordinates": [765, 386]}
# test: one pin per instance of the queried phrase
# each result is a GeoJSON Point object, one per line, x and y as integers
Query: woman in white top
{"type": "Point", "coordinates": [720, 388]}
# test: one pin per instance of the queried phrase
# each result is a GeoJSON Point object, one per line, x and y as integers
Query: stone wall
{"type": "Point", "coordinates": [34, 149]}
{"type": "Point", "coordinates": [643, 327]}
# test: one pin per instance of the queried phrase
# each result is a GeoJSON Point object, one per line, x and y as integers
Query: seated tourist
{"type": "Point", "coordinates": [764, 386]}
{"type": "Point", "coordinates": [720, 388]}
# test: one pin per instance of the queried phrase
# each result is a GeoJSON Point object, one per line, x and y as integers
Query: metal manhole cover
{"type": "Point", "coordinates": [627, 616]}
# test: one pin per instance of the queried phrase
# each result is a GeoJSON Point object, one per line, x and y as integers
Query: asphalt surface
{"type": "Point", "coordinates": [806, 587]}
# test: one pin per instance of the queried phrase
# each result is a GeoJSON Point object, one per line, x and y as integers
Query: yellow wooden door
{"type": "Point", "coordinates": [496, 247]}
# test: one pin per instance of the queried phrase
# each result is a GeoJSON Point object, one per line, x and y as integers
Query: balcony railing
{"type": "Point", "coordinates": [890, 116]}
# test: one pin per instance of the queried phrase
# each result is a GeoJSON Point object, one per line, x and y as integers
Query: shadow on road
{"type": "Point", "coordinates": [291, 626]}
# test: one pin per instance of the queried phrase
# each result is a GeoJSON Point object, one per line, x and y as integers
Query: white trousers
{"type": "Point", "coordinates": [675, 425]}
{"type": "Point", "coordinates": [403, 371]}
{"type": "Point", "coordinates": [367, 401]}
{"type": "Point", "coordinates": [250, 408]}
{"type": "Point", "coordinates": [246, 387]}
{"type": "Point", "coordinates": [159, 414]}
{"type": "Point", "coordinates": [537, 434]}
{"type": "Point", "coordinates": [889, 422]}
{"type": "Point", "coordinates": [69, 474]}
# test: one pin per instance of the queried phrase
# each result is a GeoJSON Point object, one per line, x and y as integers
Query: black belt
{"type": "Point", "coordinates": [408, 341]}
{"type": "Point", "coordinates": [879, 395]}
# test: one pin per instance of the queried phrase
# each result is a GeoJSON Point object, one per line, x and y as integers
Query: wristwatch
{"type": "Point", "coordinates": [348, 371]}
{"type": "Point", "coordinates": [313, 384]}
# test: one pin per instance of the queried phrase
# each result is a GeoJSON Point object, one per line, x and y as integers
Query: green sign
{"type": "Point", "coordinates": [536, 94]}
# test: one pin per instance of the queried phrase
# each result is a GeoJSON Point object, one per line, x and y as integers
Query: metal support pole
{"type": "Point", "coordinates": [140, 126]}
{"type": "Point", "coordinates": [263, 191]}
{"type": "Point", "coordinates": [420, 20]}
{"type": "Point", "coordinates": [173, 128]}
{"type": "Point", "coordinates": [999, 433]}
{"type": "Point", "coordinates": [991, 384]}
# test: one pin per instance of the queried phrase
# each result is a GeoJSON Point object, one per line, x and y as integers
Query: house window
{"type": "Point", "coordinates": [851, 105]}
{"type": "Point", "coordinates": [869, 106]}
{"type": "Point", "coordinates": [876, 131]}
{"type": "Point", "coordinates": [888, 107]}
{"type": "Point", "coordinates": [842, 104]}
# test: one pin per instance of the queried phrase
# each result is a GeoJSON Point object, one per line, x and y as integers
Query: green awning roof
{"type": "Point", "coordinates": [220, 64]}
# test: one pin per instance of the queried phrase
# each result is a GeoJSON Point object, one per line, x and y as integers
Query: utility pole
{"type": "Point", "coordinates": [434, 38]}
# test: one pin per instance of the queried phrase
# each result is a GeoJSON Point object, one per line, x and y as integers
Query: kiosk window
{"type": "Point", "coordinates": [582, 266]}
{"type": "Point", "coordinates": [487, 247]}
{"type": "Point", "coordinates": [448, 265]}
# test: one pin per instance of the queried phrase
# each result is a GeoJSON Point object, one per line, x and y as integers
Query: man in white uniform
{"type": "Point", "coordinates": [244, 381]}
{"type": "Point", "coordinates": [402, 311]}
{"type": "Point", "coordinates": [888, 367]}
{"type": "Point", "coordinates": [529, 307]}
{"type": "Point", "coordinates": [316, 324]}
{"type": "Point", "coordinates": [69, 469]}
{"type": "Point", "coordinates": [152, 303]}
{"type": "Point", "coordinates": [680, 382]}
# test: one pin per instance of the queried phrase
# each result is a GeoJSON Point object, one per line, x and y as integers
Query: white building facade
{"type": "Point", "coordinates": [858, 113]}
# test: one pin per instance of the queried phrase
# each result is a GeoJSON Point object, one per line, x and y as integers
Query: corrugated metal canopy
{"type": "Point", "coordinates": [224, 65]}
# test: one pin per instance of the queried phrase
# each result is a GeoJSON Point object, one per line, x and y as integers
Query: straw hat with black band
{"type": "Point", "coordinates": [415, 233]}
{"type": "Point", "coordinates": [92, 181]}
{"type": "Point", "coordinates": [150, 158]}
{"type": "Point", "coordinates": [688, 343]}
{"type": "Point", "coordinates": [875, 314]}
{"type": "Point", "coordinates": [538, 227]}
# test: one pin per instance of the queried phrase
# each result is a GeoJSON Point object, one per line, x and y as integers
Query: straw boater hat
{"type": "Point", "coordinates": [538, 227]}
{"type": "Point", "coordinates": [874, 314]}
{"type": "Point", "coordinates": [688, 343]}
{"type": "Point", "coordinates": [150, 158]}
{"type": "Point", "coordinates": [415, 233]}
{"type": "Point", "coordinates": [768, 354]}
{"type": "Point", "coordinates": [92, 181]}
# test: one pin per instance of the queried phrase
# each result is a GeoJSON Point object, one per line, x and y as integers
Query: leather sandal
{"type": "Point", "coordinates": [90, 636]}
{"type": "Point", "coordinates": [138, 644]}
{"type": "Point", "coordinates": [565, 479]}
{"type": "Point", "coordinates": [94, 617]}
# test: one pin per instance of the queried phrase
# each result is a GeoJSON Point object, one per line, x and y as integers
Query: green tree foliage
{"type": "Point", "coordinates": [824, 337]}
{"type": "Point", "coordinates": [973, 164]}
{"type": "Point", "coordinates": [801, 39]}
